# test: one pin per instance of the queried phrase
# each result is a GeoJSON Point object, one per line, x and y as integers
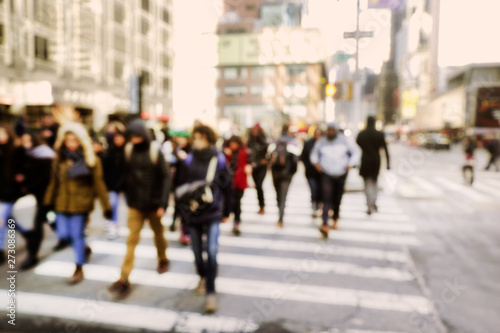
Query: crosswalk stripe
{"type": "Point", "coordinates": [262, 262]}
{"type": "Point", "coordinates": [292, 246]}
{"type": "Point", "coordinates": [487, 189]}
{"type": "Point", "coordinates": [292, 289]}
{"type": "Point", "coordinates": [426, 185]}
{"type": "Point", "coordinates": [310, 233]}
{"type": "Point", "coordinates": [463, 190]}
{"type": "Point", "coordinates": [124, 315]}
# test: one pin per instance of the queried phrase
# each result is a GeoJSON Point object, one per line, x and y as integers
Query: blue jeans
{"type": "Point", "coordinates": [114, 200]}
{"type": "Point", "coordinates": [315, 187]}
{"type": "Point", "coordinates": [72, 226]}
{"type": "Point", "coordinates": [5, 212]}
{"type": "Point", "coordinates": [207, 270]}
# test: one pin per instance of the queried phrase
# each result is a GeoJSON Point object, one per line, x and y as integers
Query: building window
{"type": "Point", "coordinates": [119, 12]}
{"type": "Point", "coordinates": [146, 78]}
{"type": "Point", "coordinates": [1, 33]}
{"type": "Point", "coordinates": [264, 90]}
{"type": "Point", "coordinates": [145, 52]}
{"type": "Point", "coordinates": [166, 16]}
{"type": "Point", "coordinates": [145, 5]}
{"type": "Point", "coordinates": [45, 12]}
{"type": "Point", "coordinates": [296, 90]}
{"type": "Point", "coordinates": [166, 61]}
{"type": "Point", "coordinates": [166, 84]}
{"type": "Point", "coordinates": [144, 26]}
{"type": "Point", "coordinates": [164, 38]}
{"type": "Point", "coordinates": [119, 41]}
{"type": "Point", "coordinates": [118, 70]}
{"type": "Point", "coordinates": [296, 71]}
{"type": "Point", "coordinates": [41, 48]}
{"type": "Point", "coordinates": [235, 90]}
{"type": "Point", "coordinates": [295, 110]}
{"type": "Point", "coordinates": [262, 71]}
{"type": "Point", "coordinates": [232, 73]}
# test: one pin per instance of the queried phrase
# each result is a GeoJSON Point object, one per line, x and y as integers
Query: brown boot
{"type": "Point", "coordinates": [77, 275]}
{"type": "Point", "coordinates": [335, 226]}
{"type": "Point", "coordinates": [261, 211]}
{"type": "Point", "coordinates": [324, 231]}
{"type": "Point", "coordinates": [163, 266]}
{"type": "Point", "coordinates": [119, 287]}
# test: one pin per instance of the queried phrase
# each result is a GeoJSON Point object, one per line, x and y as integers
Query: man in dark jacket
{"type": "Point", "coordinates": [312, 175]}
{"type": "Point", "coordinates": [371, 141]}
{"type": "Point", "coordinates": [257, 149]}
{"type": "Point", "coordinates": [147, 180]}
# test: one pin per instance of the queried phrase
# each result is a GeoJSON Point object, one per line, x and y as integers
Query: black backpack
{"type": "Point", "coordinates": [282, 161]}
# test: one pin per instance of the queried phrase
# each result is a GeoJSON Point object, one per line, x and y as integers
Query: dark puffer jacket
{"type": "Point", "coordinates": [195, 168]}
{"type": "Point", "coordinates": [147, 184]}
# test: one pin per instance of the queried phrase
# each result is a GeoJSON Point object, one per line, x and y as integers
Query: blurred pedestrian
{"type": "Point", "coordinates": [312, 175]}
{"type": "Point", "coordinates": [178, 149]}
{"type": "Point", "coordinates": [76, 179]}
{"type": "Point", "coordinates": [49, 130]}
{"type": "Point", "coordinates": [493, 147]}
{"type": "Point", "coordinates": [469, 146]}
{"type": "Point", "coordinates": [10, 189]}
{"type": "Point", "coordinates": [371, 142]}
{"type": "Point", "coordinates": [36, 170]}
{"type": "Point", "coordinates": [205, 205]}
{"type": "Point", "coordinates": [114, 177]}
{"type": "Point", "coordinates": [333, 156]}
{"type": "Point", "coordinates": [283, 158]}
{"type": "Point", "coordinates": [257, 150]}
{"type": "Point", "coordinates": [147, 185]}
{"type": "Point", "coordinates": [237, 160]}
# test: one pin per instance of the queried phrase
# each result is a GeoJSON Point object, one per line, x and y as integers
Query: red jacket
{"type": "Point", "coordinates": [240, 177]}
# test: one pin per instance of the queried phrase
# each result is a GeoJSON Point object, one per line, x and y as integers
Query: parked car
{"type": "Point", "coordinates": [437, 142]}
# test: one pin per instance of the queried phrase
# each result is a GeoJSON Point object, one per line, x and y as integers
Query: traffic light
{"type": "Point", "coordinates": [342, 90]}
{"type": "Point", "coordinates": [330, 90]}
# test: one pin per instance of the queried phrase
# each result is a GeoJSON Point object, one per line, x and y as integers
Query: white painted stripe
{"type": "Point", "coordinates": [487, 189]}
{"type": "Point", "coordinates": [463, 190]}
{"type": "Point", "coordinates": [494, 182]}
{"type": "Point", "coordinates": [262, 262]}
{"type": "Point", "coordinates": [292, 246]}
{"type": "Point", "coordinates": [380, 216]}
{"type": "Point", "coordinates": [291, 290]}
{"type": "Point", "coordinates": [427, 186]}
{"type": "Point", "coordinates": [124, 315]}
{"type": "Point", "coordinates": [363, 331]}
{"type": "Point", "coordinates": [310, 233]}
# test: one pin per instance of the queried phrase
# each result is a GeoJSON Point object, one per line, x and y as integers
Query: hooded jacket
{"type": "Point", "coordinates": [371, 141]}
{"type": "Point", "coordinates": [147, 182]}
{"type": "Point", "coordinates": [74, 195]}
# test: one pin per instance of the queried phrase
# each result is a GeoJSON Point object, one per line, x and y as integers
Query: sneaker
{"type": "Point", "coordinates": [112, 231]}
{"type": "Point", "coordinates": [369, 211]}
{"type": "Point", "coordinates": [279, 224]}
{"type": "Point", "coordinates": [210, 303]}
{"type": "Point", "coordinates": [201, 288]}
{"type": "Point", "coordinates": [163, 266]}
{"type": "Point", "coordinates": [77, 275]}
{"type": "Point", "coordinates": [185, 239]}
{"type": "Point", "coordinates": [236, 230]}
{"type": "Point", "coordinates": [119, 287]}
{"type": "Point", "coordinates": [30, 262]}
{"type": "Point", "coordinates": [172, 227]}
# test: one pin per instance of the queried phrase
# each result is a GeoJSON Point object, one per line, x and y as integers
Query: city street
{"type": "Point", "coordinates": [426, 262]}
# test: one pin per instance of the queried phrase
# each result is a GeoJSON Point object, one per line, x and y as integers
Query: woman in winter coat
{"type": "Point", "coordinates": [237, 160]}
{"type": "Point", "coordinates": [10, 189]}
{"type": "Point", "coordinates": [35, 167]}
{"type": "Point", "coordinates": [77, 178]}
{"type": "Point", "coordinates": [257, 150]}
{"type": "Point", "coordinates": [114, 176]}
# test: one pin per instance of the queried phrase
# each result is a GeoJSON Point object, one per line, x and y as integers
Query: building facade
{"type": "Point", "coordinates": [82, 55]}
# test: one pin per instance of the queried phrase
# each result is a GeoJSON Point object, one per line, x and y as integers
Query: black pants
{"type": "Point", "coordinates": [237, 196]}
{"type": "Point", "coordinates": [332, 189]}
{"type": "Point", "coordinates": [34, 237]}
{"type": "Point", "coordinates": [258, 175]}
{"type": "Point", "coordinates": [281, 185]}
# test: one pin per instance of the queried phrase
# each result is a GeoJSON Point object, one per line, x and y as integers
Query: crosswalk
{"type": "Point", "coordinates": [362, 272]}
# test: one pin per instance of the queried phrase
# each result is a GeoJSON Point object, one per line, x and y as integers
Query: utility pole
{"type": "Point", "coordinates": [356, 102]}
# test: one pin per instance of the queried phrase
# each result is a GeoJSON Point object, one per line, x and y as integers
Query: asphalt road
{"type": "Point", "coordinates": [427, 262]}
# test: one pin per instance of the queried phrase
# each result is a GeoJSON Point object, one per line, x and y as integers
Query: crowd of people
{"type": "Point", "coordinates": [66, 168]}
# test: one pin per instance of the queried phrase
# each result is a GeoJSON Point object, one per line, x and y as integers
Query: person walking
{"type": "Point", "coordinates": [10, 189]}
{"type": "Point", "coordinates": [114, 177]}
{"type": "Point", "coordinates": [333, 156]}
{"type": "Point", "coordinates": [312, 175]}
{"type": "Point", "coordinates": [493, 148]}
{"type": "Point", "coordinates": [76, 178]}
{"type": "Point", "coordinates": [36, 170]}
{"type": "Point", "coordinates": [147, 186]}
{"type": "Point", "coordinates": [371, 142]}
{"type": "Point", "coordinates": [205, 207]}
{"type": "Point", "coordinates": [283, 158]}
{"type": "Point", "coordinates": [257, 149]}
{"type": "Point", "coordinates": [237, 160]}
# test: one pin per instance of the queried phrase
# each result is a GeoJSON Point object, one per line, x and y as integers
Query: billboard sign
{"type": "Point", "coordinates": [488, 107]}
